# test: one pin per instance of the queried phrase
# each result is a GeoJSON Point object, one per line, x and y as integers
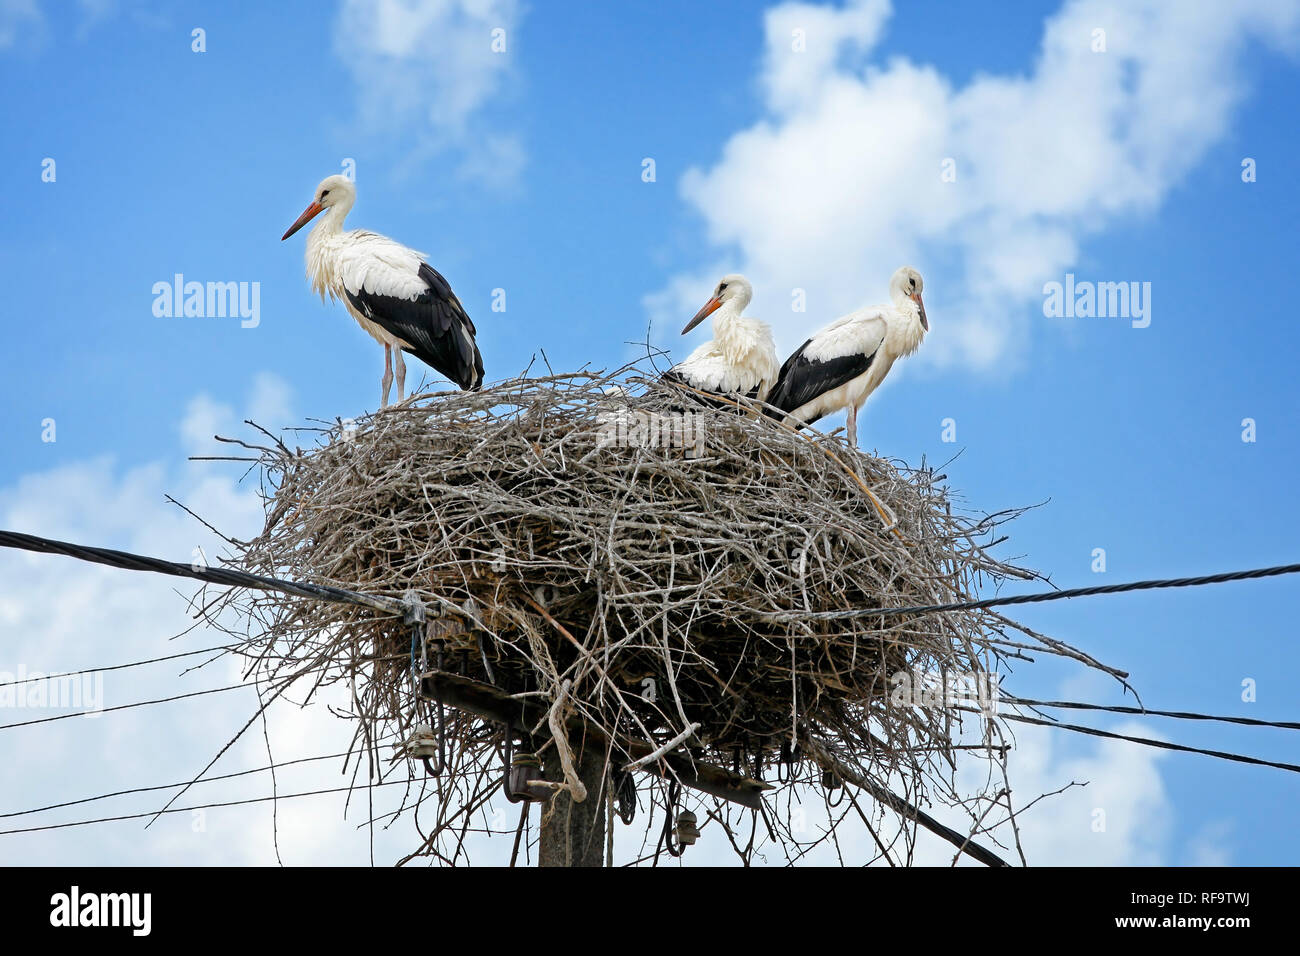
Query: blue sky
{"type": "Point", "coordinates": [523, 171]}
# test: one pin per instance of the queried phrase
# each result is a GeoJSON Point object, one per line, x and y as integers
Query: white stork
{"type": "Point", "coordinates": [844, 363]}
{"type": "Point", "coordinates": [402, 301]}
{"type": "Point", "coordinates": [741, 358]}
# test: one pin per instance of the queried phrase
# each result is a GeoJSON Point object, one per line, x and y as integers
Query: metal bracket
{"type": "Point", "coordinates": [416, 613]}
{"type": "Point", "coordinates": [492, 703]}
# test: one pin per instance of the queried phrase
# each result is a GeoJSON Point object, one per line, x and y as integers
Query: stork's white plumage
{"type": "Point", "coordinates": [402, 301]}
{"type": "Point", "coordinates": [741, 358]}
{"type": "Point", "coordinates": [846, 361]}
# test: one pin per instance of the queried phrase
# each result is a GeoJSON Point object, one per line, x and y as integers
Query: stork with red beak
{"type": "Point", "coordinates": [741, 358]}
{"type": "Point", "coordinates": [840, 366]}
{"type": "Point", "coordinates": [402, 301]}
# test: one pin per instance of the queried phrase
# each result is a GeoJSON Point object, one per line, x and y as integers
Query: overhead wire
{"type": "Point", "coordinates": [234, 578]}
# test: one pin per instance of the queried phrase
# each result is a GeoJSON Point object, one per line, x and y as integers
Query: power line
{"type": "Point", "coordinates": [156, 660]}
{"type": "Point", "coordinates": [233, 578]}
{"type": "Point", "coordinates": [1042, 596]}
{"type": "Point", "coordinates": [138, 703]}
{"type": "Point", "coordinates": [205, 806]}
{"type": "Point", "coordinates": [1151, 742]}
{"type": "Point", "coordinates": [169, 786]}
{"type": "Point", "coordinates": [1147, 712]}
{"type": "Point", "coordinates": [225, 576]}
{"type": "Point", "coordinates": [117, 667]}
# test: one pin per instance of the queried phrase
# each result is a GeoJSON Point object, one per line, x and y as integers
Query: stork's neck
{"type": "Point", "coordinates": [908, 331]}
{"type": "Point", "coordinates": [330, 222]}
{"type": "Point", "coordinates": [320, 258]}
{"type": "Point", "coordinates": [727, 321]}
{"type": "Point", "coordinates": [734, 335]}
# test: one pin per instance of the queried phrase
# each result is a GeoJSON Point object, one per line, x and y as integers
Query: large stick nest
{"type": "Point", "coordinates": [652, 562]}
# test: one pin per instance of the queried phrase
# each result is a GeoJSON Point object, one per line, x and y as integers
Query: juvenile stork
{"type": "Point", "coordinates": [402, 301]}
{"type": "Point", "coordinates": [844, 363]}
{"type": "Point", "coordinates": [741, 358]}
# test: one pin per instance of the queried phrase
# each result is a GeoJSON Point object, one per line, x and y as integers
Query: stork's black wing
{"type": "Point", "coordinates": [802, 379]}
{"type": "Point", "coordinates": [435, 324]}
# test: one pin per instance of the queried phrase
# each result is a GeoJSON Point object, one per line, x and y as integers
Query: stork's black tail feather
{"type": "Point", "coordinates": [774, 408]}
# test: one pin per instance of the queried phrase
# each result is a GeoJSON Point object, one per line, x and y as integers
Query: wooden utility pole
{"type": "Point", "coordinates": [573, 834]}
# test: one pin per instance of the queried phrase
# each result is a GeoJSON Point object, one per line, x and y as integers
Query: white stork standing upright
{"type": "Point", "coordinates": [741, 358]}
{"type": "Point", "coordinates": [844, 363]}
{"type": "Point", "coordinates": [402, 301]}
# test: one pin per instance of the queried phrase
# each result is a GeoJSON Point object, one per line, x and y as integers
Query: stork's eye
{"type": "Point", "coordinates": [324, 193]}
{"type": "Point", "coordinates": [723, 287]}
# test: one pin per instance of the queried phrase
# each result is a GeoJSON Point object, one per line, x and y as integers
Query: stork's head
{"type": "Point", "coordinates": [730, 288]}
{"type": "Point", "coordinates": [333, 191]}
{"type": "Point", "coordinates": [906, 284]}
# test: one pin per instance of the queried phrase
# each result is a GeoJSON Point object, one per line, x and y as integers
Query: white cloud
{"type": "Point", "coordinates": [835, 34]}
{"type": "Point", "coordinates": [58, 614]}
{"type": "Point", "coordinates": [1210, 845]}
{"type": "Point", "coordinates": [269, 404]}
{"type": "Point", "coordinates": [425, 70]}
{"type": "Point", "coordinates": [204, 419]}
{"type": "Point", "coordinates": [1135, 825]}
{"type": "Point", "coordinates": [1121, 818]}
{"type": "Point", "coordinates": [25, 20]}
{"type": "Point", "coordinates": [838, 183]}
{"type": "Point", "coordinates": [18, 17]}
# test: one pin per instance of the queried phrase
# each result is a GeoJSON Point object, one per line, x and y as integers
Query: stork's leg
{"type": "Point", "coordinates": [387, 381]}
{"type": "Point", "coordinates": [401, 372]}
{"type": "Point", "coordinates": [852, 427]}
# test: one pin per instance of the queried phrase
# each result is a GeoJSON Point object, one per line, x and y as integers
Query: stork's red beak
{"type": "Point", "coordinates": [709, 308]}
{"type": "Point", "coordinates": [305, 218]}
{"type": "Point", "coordinates": [925, 323]}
